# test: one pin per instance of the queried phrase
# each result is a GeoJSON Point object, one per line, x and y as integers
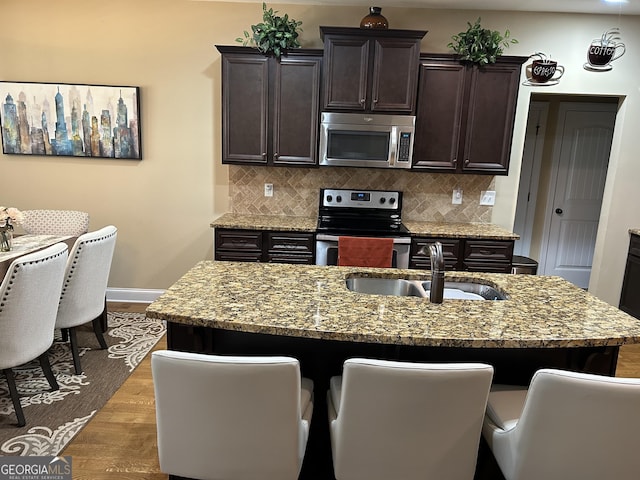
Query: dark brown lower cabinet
{"type": "Point", "coordinates": [264, 246]}
{"type": "Point", "coordinates": [450, 250]}
{"type": "Point", "coordinates": [494, 256]}
{"type": "Point", "coordinates": [630, 296]}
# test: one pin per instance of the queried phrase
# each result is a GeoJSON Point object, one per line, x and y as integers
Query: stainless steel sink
{"type": "Point", "coordinates": [386, 286]}
{"type": "Point", "coordinates": [417, 288]}
{"type": "Point", "coordinates": [485, 292]}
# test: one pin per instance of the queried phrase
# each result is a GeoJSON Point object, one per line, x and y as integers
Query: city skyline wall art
{"type": "Point", "coordinates": [60, 119]}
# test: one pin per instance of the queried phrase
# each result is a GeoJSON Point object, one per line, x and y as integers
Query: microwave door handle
{"type": "Point", "coordinates": [393, 149]}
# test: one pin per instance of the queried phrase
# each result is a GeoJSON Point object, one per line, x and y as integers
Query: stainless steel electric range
{"type": "Point", "coordinates": [360, 213]}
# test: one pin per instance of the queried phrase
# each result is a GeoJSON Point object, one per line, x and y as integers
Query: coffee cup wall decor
{"type": "Point", "coordinates": [604, 50]}
{"type": "Point", "coordinates": [543, 71]}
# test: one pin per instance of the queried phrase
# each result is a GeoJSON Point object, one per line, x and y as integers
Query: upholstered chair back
{"type": "Point", "coordinates": [55, 222]}
{"type": "Point", "coordinates": [565, 425]}
{"type": "Point", "coordinates": [402, 420]}
{"type": "Point", "coordinates": [231, 417]}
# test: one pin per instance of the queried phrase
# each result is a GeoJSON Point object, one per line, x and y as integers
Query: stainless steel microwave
{"type": "Point", "coordinates": [363, 140]}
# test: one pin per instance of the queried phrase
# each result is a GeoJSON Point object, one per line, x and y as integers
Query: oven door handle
{"type": "Point", "coordinates": [334, 238]}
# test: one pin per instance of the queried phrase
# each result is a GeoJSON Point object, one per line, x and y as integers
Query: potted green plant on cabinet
{"type": "Point", "coordinates": [274, 35]}
{"type": "Point", "coordinates": [480, 45]}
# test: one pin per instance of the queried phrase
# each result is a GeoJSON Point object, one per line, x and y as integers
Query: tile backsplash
{"type": "Point", "coordinates": [426, 196]}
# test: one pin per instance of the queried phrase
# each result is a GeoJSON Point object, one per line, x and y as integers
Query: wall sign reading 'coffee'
{"type": "Point", "coordinates": [604, 50]}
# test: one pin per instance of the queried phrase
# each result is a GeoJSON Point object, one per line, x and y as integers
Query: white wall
{"type": "Point", "coordinates": [566, 38]}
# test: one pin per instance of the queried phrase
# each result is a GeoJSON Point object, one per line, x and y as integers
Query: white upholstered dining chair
{"type": "Point", "coordinates": [230, 417]}
{"type": "Point", "coordinates": [55, 222]}
{"type": "Point", "coordinates": [566, 425]}
{"type": "Point", "coordinates": [85, 283]}
{"type": "Point", "coordinates": [29, 297]}
{"type": "Point", "coordinates": [402, 420]}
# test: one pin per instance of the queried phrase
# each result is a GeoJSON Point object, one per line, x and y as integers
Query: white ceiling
{"type": "Point", "coordinates": [628, 7]}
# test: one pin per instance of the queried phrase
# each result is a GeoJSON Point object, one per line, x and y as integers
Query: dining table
{"type": "Point", "coordinates": [28, 243]}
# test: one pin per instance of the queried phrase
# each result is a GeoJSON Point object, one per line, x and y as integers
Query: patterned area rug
{"type": "Point", "coordinates": [54, 418]}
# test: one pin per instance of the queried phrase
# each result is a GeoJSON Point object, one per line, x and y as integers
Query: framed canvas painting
{"type": "Point", "coordinates": [70, 120]}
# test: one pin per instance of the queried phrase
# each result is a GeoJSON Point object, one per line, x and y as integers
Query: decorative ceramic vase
{"type": "Point", "coordinates": [374, 19]}
{"type": "Point", "coordinates": [6, 240]}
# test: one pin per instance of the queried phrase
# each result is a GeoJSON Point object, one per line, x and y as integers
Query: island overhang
{"type": "Point", "coordinates": [313, 302]}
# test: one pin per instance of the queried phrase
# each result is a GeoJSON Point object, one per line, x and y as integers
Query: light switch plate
{"type": "Point", "coordinates": [487, 197]}
{"type": "Point", "coordinates": [456, 198]}
{"type": "Point", "coordinates": [268, 189]}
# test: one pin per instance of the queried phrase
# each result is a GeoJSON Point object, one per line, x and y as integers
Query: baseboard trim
{"type": "Point", "coordinates": [132, 295]}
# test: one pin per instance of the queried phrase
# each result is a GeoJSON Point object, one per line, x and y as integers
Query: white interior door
{"type": "Point", "coordinates": [530, 176]}
{"type": "Point", "coordinates": [580, 160]}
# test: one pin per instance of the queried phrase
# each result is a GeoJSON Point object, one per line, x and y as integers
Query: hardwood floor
{"type": "Point", "coordinates": [120, 441]}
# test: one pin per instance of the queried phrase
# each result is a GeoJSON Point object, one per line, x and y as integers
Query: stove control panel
{"type": "Point", "coordinates": [372, 199]}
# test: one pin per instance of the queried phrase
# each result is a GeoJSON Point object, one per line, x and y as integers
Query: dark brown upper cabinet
{"type": "Point", "coordinates": [370, 70]}
{"type": "Point", "coordinates": [465, 115]}
{"type": "Point", "coordinates": [270, 107]}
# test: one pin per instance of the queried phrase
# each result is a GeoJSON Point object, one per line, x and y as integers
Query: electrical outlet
{"type": "Point", "coordinates": [456, 199]}
{"type": "Point", "coordinates": [268, 189]}
{"type": "Point", "coordinates": [487, 197]}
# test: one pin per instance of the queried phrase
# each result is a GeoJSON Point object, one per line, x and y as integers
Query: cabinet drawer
{"type": "Point", "coordinates": [497, 267]}
{"type": "Point", "coordinates": [238, 256]}
{"type": "Point", "coordinates": [288, 243]}
{"type": "Point", "coordinates": [493, 251]}
{"type": "Point", "coordinates": [298, 259]}
{"type": "Point", "coordinates": [238, 240]}
{"type": "Point", "coordinates": [450, 251]}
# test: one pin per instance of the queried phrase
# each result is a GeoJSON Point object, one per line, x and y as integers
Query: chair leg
{"type": "Point", "coordinates": [97, 328]}
{"type": "Point", "coordinates": [15, 398]}
{"type": "Point", "coordinates": [103, 317]}
{"type": "Point", "coordinates": [73, 341]}
{"type": "Point", "coordinates": [48, 373]}
{"type": "Point", "coordinates": [65, 334]}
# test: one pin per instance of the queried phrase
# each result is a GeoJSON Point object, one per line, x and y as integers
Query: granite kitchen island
{"type": "Point", "coordinates": [308, 312]}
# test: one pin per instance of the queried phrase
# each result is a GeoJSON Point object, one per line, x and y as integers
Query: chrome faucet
{"type": "Point", "coordinates": [436, 292]}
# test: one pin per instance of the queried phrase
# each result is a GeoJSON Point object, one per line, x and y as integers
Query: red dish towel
{"type": "Point", "coordinates": [365, 252]}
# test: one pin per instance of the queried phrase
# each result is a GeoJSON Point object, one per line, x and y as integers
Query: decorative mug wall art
{"type": "Point", "coordinates": [70, 120]}
{"type": "Point", "coordinates": [604, 50]}
{"type": "Point", "coordinates": [543, 71]}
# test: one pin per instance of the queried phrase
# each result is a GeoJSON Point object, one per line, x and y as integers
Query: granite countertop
{"type": "Point", "coordinates": [308, 224]}
{"type": "Point", "coordinates": [266, 222]}
{"type": "Point", "coordinates": [460, 230]}
{"type": "Point", "coordinates": [313, 302]}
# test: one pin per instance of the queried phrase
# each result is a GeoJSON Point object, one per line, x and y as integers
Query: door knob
{"type": "Point", "coordinates": [559, 211]}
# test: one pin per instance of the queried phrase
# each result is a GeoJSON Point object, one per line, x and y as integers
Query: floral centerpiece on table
{"type": "Point", "coordinates": [8, 217]}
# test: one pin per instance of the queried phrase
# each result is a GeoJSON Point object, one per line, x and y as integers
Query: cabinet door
{"type": "Point", "coordinates": [245, 87]}
{"type": "Point", "coordinates": [394, 75]}
{"type": "Point", "coordinates": [629, 297]}
{"type": "Point", "coordinates": [439, 115]}
{"type": "Point", "coordinates": [489, 119]}
{"type": "Point", "coordinates": [296, 91]}
{"type": "Point", "coordinates": [346, 64]}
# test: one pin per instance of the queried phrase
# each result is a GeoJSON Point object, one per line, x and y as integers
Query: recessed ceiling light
{"type": "Point", "coordinates": [616, 1]}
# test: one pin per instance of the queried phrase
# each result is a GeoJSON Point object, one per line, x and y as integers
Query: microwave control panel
{"type": "Point", "coordinates": [404, 147]}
